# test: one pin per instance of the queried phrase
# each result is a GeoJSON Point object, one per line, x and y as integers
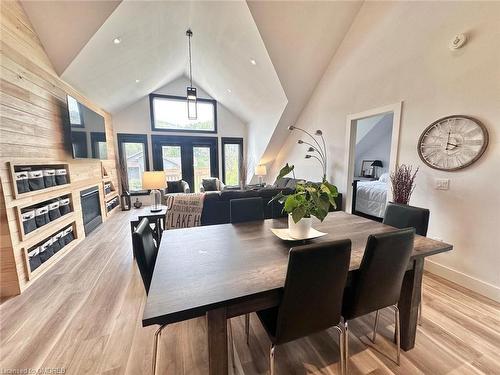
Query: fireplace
{"type": "Point", "coordinates": [91, 209]}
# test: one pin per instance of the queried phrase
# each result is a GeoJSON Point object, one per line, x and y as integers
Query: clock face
{"type": "Point", "coordinates": [452, 143]}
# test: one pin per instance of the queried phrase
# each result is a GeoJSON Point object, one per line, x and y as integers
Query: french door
{"type": "Point", "coordinates": [186, 158]}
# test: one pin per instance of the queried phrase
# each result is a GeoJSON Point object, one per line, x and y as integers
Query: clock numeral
{"type": "Point", "coordinates": [473, 142]}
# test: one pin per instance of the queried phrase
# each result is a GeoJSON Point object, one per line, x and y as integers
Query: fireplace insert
{"type": "Point", "coordinates": [91, 209]}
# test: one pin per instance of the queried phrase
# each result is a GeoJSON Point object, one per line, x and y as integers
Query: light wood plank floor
{"type": "Point", "coordinates": [84, 315]}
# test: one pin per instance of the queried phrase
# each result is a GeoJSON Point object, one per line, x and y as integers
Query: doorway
{"type": "Point", "coordinates": [372, 139]}
{"type": "Point", "coordinates": [186, 158]}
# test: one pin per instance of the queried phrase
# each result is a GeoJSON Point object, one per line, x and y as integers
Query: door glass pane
{"type": "Point", "coordinates": [232, 155]}
{"type": "Point", "coordinates": [201, 165]}
{"type": "Point", "coordinates": [172, 162]}
{"type": "Point", "coordinates": [134, 159]}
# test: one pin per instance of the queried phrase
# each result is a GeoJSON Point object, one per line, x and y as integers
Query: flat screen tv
{"type": "Point", "coordinates": [87, 131]}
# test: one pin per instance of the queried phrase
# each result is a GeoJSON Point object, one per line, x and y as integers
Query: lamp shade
{"type": "Point", "coordinates": [260, 170]}
{"type": "Point", "coordinates": [153, 180]}
{"type": "Point", "coordinates": [377, 163]}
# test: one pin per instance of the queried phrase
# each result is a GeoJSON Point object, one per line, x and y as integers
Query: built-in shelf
{"type": "Point", "coordinates": [18, 167]}
{"type": "Point", "coordinates": [32, 275]}
{"type": "Point", "coordinates": [42, 232]}
{"type": "Point", "coordinates": [108, 197]}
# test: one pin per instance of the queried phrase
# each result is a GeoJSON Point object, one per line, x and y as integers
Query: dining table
{"type": "Point", "coordinates": [223, 271]}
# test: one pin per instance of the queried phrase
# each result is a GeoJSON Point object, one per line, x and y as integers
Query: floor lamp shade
{"type": "Point", "coordinates": [153, 181]}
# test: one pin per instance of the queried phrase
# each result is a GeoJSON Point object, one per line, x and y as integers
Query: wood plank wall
{"type": "Point", "coordinates": [32, 108]}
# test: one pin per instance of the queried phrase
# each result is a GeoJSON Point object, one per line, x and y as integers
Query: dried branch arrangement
{"type": "Point", "coordinates": [403, 183]}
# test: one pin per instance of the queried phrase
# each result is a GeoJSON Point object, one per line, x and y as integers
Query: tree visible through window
{"type": "Point", "coordinates": [232, 153]}
{"type": "Point", "coordinates": [170, 113]}
{"type": "Point", "coordinates": [134, 159]}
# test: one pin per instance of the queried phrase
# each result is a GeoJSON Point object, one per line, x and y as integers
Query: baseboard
{"type": "Point", "coordinates": [476, 285]}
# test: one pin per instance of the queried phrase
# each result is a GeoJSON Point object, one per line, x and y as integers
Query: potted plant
{"type": "Point", "coordinates": [309, 199]}
{"type": "Point", "coordinates": [403, 183]}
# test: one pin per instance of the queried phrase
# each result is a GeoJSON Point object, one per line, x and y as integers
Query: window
{"type": "Point", "coordinates": [169, 113]}
{"type": "Point", "coordinates": [232, 158]}
{"type": "Point", "coordinates": [133, 151]}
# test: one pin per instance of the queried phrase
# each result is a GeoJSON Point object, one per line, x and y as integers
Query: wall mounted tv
{"type": "Point", "coordinates": [87, 131]}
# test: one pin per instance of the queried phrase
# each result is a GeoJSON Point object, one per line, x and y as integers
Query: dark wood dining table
{"type": "Point", "coordinates": [223, 271]}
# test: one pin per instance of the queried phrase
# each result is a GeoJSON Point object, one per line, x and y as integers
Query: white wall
{"type": "Point", "coordinates": [135, 119]}
{"type": "Point", "coordinates": [398, 51]}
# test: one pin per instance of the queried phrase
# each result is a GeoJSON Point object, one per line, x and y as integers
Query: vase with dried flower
{"type": "Point", "coordinates": [403, 183]}
{"type": "Point", "coordinates": [125, 200]}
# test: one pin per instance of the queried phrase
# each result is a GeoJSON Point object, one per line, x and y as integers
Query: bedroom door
{"type": "Point", "coordinates": [371, 154]}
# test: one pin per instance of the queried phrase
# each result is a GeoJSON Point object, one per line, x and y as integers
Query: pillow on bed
{"type": "Point", "coordinates": [384, 177]}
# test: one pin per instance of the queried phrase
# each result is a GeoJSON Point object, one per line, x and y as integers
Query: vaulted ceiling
{"type": "Point", "coordinates": [292, 43]}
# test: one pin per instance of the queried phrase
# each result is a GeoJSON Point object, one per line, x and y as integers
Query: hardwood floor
{"type": "Point", "coordinates": [84, 315]}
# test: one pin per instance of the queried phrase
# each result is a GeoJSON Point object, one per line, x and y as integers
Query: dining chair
{"type": "Point", "coordinates": [404, 216]}
{"type": "Point", "coordinates": [377, 283]}
{"type": "Point", "coordinates": [312, 296]}
{"type": "Point", "coordinates": [145, 252]}
{"type": "Point", "coordinates": [246, 209]}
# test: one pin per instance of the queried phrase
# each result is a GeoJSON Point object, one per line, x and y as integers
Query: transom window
{"type": "Point", "coordinates": [169, 113]}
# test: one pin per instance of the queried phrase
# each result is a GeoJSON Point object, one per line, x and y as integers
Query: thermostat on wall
{"type": "Point", "coordinates": [458, 41]}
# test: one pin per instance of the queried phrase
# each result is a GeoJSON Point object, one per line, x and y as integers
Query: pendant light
{"type": "Point", "coordinates": [191, 91]}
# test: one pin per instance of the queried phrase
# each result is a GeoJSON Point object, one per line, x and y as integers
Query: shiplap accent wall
{"type": "Point", "coordinates": [31, 128]}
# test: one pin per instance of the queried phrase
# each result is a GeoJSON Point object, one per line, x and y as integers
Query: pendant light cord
{"type": "Point", "coordinates": [189, 33]}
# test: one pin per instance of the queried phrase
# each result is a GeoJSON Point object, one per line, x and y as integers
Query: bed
{"type": "Point", "coordinates": [371, 196]}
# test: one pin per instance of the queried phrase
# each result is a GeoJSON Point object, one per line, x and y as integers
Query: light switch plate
{"type": "Point", "coordinates": [442, 184]}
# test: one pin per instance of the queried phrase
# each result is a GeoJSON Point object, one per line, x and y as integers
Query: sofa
{"type": "Point", "coordinates": [216, 206]}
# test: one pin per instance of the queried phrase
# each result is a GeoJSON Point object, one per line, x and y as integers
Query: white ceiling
{"type": "Point", "coordinates": [301, 38]}
{"type": "Point", "coordinates": [292, 42]}
{"type": "Point", "coordinates": [64, 27]}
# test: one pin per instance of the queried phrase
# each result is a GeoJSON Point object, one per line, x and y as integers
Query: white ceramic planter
{"type": "Point", "coordinates": [301, 229]}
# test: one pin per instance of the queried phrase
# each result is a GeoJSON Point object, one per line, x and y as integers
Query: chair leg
{"type": "Point", "coordinates": [271, 360]}
{"type": "Point", "coordinates": [398, 335]}
{"type": "Point", "coordinates": [155, 347]}
{"type": "Point", "coordinates": [231, 342]}
{"type": "Point", "coordinates": [375, 326]}
{"type": "Point", "coordinates": [346, 347]}
{"type": "Point", "coordinates": [340, 329]}
{"type": "Point", "coordinates": [247, 328]}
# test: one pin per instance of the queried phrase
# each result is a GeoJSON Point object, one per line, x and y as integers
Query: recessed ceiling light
{"type": "Point", "coordinates": [137, 80]}
{"type": "Point", "coordinates": [253, 62]}
{"type": "Point", "coordinates": [229, 91]}
{"type": "Point", "coordinates": [117, 40]}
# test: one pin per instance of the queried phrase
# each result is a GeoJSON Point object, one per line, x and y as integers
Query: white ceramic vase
{"type": "Point", "coordinates": [301, 229]}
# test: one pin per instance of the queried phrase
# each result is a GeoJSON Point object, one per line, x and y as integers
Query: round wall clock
{"type": "Point", "coordinates": [452, 143]}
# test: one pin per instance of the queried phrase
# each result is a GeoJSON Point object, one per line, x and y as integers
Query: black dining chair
{"type": "Point", "coordinates": [404, 216]}
{"type": "Point", "coordinates": [312, 295]}
{"type": "Point", "coordinates": [246, 209]}
{"type": "Point", "coordinates": [377, 283]}
{"type": "Point", "coordinates": [145, 252]}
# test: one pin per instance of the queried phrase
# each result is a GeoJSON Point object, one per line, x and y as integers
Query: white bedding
{"type": "Point", "coordinates": [371, 197]}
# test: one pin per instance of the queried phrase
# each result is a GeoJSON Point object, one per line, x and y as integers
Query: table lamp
{"type": "Point", "coordinates": [375, 164]}
{"type": "Point", "coordinates": [260, 171]}
{"type": "Point", "coordinates": [153, 181]}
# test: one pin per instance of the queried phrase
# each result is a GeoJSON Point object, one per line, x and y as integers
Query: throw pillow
{"type": "Point", "coordinates": [174, 187]}
{"type": "Point", "coordinates": [209, 184]}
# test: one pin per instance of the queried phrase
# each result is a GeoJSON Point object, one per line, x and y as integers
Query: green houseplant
{"type": "Point", "coordinates": [309, 199]}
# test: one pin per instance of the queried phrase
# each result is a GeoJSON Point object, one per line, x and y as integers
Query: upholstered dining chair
{"type": "Point", "coordinates": [377, 283]}
{"type": "Point", "coordinates": [312, 295]}
{"type": "Point", "coordinates": [246, 209]}
{"type": "Point", "coordinates": [145, 252]}
{"type": "Point", "coordinates": [404, 216]}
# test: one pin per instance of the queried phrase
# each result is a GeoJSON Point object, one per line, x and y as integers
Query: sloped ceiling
{"type": "Point", "coordinates": [64, 27]}
{"type": "Point", "coordinates": [291, 41]}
